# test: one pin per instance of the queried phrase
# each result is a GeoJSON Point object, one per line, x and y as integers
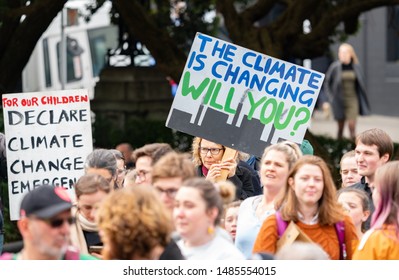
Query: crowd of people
{"type": "Point", "coordinates": [154, 203]}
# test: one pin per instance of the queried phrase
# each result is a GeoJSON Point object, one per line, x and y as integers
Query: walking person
{"type": "Point", "coordinates": [346, 89]}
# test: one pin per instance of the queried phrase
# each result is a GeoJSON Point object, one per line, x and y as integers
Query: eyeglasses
{"type": "Point", "coordinates": [56, 223]}
{"type": "Point", "coordinates": [169, 192]}
{"type": "Point", "coordinates": [214, 151]}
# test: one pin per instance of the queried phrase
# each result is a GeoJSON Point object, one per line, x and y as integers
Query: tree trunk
{"type": "Point", "coordinates": [18, 39]}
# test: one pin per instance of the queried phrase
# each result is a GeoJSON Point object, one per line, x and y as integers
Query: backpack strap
{"type": "Point", "coordinates": [281, 224]}
{"type": "Point", "coordinates": [340, 229]}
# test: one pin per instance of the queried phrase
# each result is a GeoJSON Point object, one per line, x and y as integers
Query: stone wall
{"type": "Point", "coordinates": [131, 93]}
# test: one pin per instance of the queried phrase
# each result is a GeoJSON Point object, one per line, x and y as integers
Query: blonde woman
{"type": "Point", "coordinates": [346, 89]}
{"type": "Point", "coordinates": [275, 164]}
{"type": "Point", "coordinates": [207, 157]}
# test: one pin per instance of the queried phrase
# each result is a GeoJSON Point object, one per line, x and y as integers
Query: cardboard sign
{"type": "Point", "coordinates": [292, 234]}
{"type": "Point", "coordinates": [242, 99]}
{"type": "Point", "coordinates": [228, 154]}
{"type": "Point", "coordinates": [48, 137]}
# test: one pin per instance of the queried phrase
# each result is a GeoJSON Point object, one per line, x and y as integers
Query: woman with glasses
{"type": "Point", "coordinates": [208, 157]}
{"type": "Point", "coordinates": [90, 190]}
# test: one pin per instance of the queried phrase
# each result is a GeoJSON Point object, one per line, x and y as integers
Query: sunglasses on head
{"type": "Point", "coordinates": [56, 223]}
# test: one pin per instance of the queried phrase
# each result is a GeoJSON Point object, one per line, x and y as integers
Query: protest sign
{"type": "Point", "coordinates": [242, 99]}
{"type": "Point", "coordinates": [48, 137]}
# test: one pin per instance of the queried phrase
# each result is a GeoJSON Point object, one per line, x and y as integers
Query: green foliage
{"type": "Point", "coordinates": [138, 133]}
{"type": "Point", "coordinates": [11, 232]}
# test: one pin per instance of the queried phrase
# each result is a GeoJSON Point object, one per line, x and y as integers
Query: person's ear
{"type": "Point", "coordinates": [213, 213]}
{"type": "Point", "coordinates": [385, 158]}
{"type": "Point", "coordinates": [291, 183]}
{"type": "Point", "coordinates": [366, 215]}
{"type": "Point", "coordinates": [23, 225]}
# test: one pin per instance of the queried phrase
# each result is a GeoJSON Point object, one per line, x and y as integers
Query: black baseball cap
{"type": "Point", "coordinates": [45, 202]}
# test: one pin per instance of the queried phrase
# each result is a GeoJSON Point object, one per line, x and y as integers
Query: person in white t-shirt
{"type": "Point", "coordinates": [197, 214]}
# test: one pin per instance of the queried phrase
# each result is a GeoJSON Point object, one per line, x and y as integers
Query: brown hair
{"type": "Point", "coordinates": [364, 198]}
{"type": "Point", "coordinates": [227, 191]}
{"type": "Point", "coordinates": [134, 222]}
{"type": "Point", "coordinates": [173, 165]}
{"type": "Point", "coordinates": [378, 137]}
{"type": "Point", "coordinates": [91, 183]}
{"type": "Point", "coordinates": [154, 150]}
{"type": "Point", "coordinates": [329, 209]}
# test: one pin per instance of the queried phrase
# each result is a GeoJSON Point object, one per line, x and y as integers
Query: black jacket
{"type": "Point", "coordinates": [363, 185]}
{"type": "Point", "coordinates": [242, 180]}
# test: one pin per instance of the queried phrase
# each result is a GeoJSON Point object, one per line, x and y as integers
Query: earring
{"type": "Point", "coordinates": [211, 230]}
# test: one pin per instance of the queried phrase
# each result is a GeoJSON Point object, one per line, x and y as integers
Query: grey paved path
{"type": "Point", "coordinates": [320, 125]}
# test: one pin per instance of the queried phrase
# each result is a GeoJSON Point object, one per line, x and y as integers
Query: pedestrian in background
{"type": "Point", "coordinates": [346, 89]}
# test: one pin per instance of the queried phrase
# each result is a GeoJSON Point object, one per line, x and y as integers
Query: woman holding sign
{"type": "Point", "coordinates": [309, 201]}
{"type": "Point", "coordinates": [346, 89]}
{"type": "Point", "coordinates": [208, 158]}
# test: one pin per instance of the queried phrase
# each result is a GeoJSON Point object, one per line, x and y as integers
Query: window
{"type": "Point", "coordinates": [393, 34]}
{"type": "Point", "coordinates": [73, 60]}
{"type": "Point", "coordinates": [47, 70]}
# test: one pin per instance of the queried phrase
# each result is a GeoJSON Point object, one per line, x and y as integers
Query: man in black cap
{"type": "Point", "coordinates": [45, 219]}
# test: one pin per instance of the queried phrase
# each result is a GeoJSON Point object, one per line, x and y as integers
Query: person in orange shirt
{"type": "Point", "coordinates": [381, 242]}
{"type": "Point", "coordinates": [309, 200]}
